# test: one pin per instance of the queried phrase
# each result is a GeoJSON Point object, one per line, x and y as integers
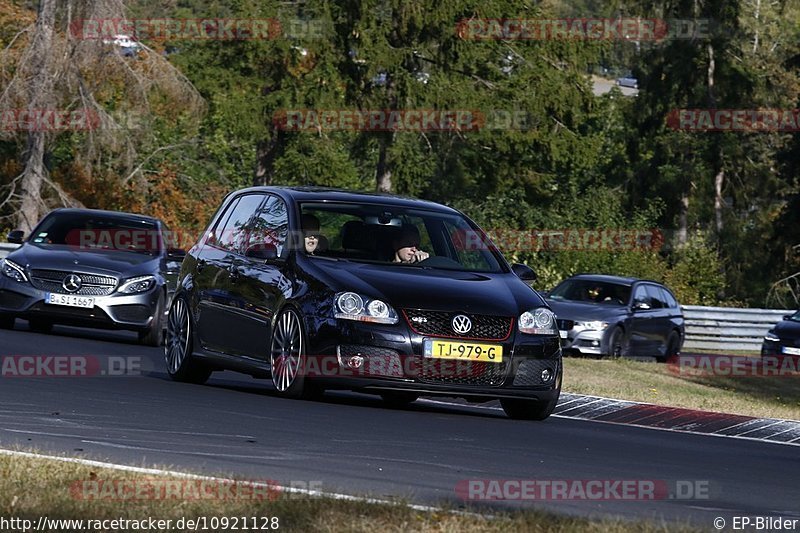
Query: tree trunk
{"type": "Point", "coordinates": [719, 178]}
{"type": "Point", "coordinates": [267, 153]}
{"type": "Point", "coordinates": [683, 219]}
{"type": "Point", "coordinates": [383, 174]}
{"type": "Point", "coordinates": [40, 91]}
{"type": "Point", "coordinates": [718, 182]}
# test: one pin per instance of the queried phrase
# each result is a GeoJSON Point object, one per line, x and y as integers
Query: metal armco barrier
{"type": "Point", "coordinates": [728, 329]}
{"type": "Point", "coordinates": [6, 248]}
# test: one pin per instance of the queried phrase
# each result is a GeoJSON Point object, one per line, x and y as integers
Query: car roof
{"type": "Point", "coordinates": [330, 194]}
{"type": "Point", "coordinates": [102, 212]}
{"type": "Point", "coordinates": [611, 279]}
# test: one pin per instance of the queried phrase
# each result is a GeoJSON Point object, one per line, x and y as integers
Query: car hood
{"type": "Point", "coordinates": [787, 329]}
{"type": "Point", "coordinates": [579, 311]}
{"type": "Point", "coordinates": [55, 257]}
{"type": "Point", "coordinates": [431, 288]}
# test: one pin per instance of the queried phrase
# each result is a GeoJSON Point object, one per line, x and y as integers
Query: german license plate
{"type": "Point", "coordinates": [791, 351]}
{"type": "Point", "coordinates": [442, 349]}
{"type": "Point", "coordinates": [69, 300]}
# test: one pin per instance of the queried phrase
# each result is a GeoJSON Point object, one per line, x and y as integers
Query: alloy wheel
{"type": "Point", "coordinates": [286, 351]}
{"type": "Point", "coordinates": [177, 341]}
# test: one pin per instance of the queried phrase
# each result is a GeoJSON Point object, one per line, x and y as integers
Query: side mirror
{"type": "Point", "coordinates": [16, 236]}
{"type": "Point", "coordinates": [785, 317]}
{"type": "Point", "coordinates": [176, 254]}
{"type": "Point", "coordinates": [641, 306]}
{"type": "Point", "coordinates": [524, 272]}
{"type": "Point", "coordinates": [264, 252]}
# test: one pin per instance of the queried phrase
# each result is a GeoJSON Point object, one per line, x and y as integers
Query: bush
{"type": "Point", "coordinates": [696, 276]}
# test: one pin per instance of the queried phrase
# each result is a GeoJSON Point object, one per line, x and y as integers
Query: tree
{"type": "Point", "coordinates": [63, 70]}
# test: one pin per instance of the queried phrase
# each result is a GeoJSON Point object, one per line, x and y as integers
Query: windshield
{"type": "Point", "coordinates": [590, 291]}
{"type": "Point", "coordinates": [796, 316]}
{"type": "Point", "coordinates": [397, 236]}
{"type": "Point", "coordinates": [98, 232]}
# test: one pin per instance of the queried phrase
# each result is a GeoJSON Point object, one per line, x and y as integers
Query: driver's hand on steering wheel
{"type": "Point", "coordinates": [419, 255]}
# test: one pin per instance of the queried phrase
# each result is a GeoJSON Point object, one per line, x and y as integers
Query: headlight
{"type": "Point", "coordinates": [12, 270]}
{"type": "Point", "coordinates": [539, 321]}
{"type": "Point", "coordinates": [137, 285]}
{"type": "Point", "coordinates": [771, 337]}
{"type": "Point", "coordinates": [592, 324]}
{"type": "Point", "coordinates": [352, 306]}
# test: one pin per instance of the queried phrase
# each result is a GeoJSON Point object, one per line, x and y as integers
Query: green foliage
{"type": "Point", "coordinates": [697, 277]}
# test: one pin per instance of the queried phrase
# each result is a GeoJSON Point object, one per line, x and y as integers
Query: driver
{"type": "Point", "coordinates": [406, 246]}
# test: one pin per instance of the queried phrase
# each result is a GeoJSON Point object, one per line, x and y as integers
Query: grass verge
{"type": "Point", "coordinates": [35, 487]}
{"type": "Point", "coordinates": [625, 379]}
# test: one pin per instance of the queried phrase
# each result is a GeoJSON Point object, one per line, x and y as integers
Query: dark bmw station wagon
{"type": "Point", "coordinates": [325, 289]}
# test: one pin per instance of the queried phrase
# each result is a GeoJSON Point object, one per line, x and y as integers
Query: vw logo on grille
{"type": "Point", "coordinates": [461, 324]}
{"type": "Point", "coordinates": [72, 283]}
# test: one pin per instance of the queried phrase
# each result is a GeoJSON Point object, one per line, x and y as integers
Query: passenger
{"type": "Point", "coordinates": [406, 246]}
{"type": "Point", "coordinates": [311, 233]}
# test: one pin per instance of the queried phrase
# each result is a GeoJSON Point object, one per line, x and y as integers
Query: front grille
{"type": "Point", "coordinates": [130, 313]}
{"type": "Point", "coordinates": [377, 361]}
{"type": "Point", "coordinates": [439, 323]}
{"type": "Point", "coordinates": [529, 372]}
{"type": "Point", "coordinates": [455, 372]}
{"type": "Point", "coordinates": [565, 324]}
{"type": "Point", "coordinates": [91, 284]}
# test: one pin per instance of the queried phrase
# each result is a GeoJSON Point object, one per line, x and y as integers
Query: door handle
{"type": "Point", "coordinates": [233, 273]}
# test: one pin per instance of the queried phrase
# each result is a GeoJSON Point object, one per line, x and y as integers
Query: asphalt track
{"type": "Point", "coordinates": [352, 444]}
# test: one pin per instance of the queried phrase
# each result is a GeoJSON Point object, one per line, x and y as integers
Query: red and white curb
{"type": "Point", "coordinates": [613, 411]}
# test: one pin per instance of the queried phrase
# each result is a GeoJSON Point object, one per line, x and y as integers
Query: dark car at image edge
{"type": "Point", "coordinates": [783, 338]}
{"type": "Point", "coordinates": [461, 323]}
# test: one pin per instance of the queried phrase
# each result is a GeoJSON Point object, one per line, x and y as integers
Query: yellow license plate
{"type": "Point", "coordinates": [441, 349]}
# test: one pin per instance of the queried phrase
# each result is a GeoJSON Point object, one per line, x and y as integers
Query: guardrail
{"type": "Point", "coordinates": [6, 248]}
{"type": "Point", "coordinates": [728, 329]}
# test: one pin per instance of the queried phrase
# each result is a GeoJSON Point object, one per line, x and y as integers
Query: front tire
{"type": "Point", "coordinates": [399, 399]}
{"type": "Point", "coordinates": [181, 365]}
{"type": "Point", "coordinates": [40, 325]}
{"type": "Point", "coordinates": [154, 334]}
{"type": "Point", "coordinates": [528, 409]}
{"type": "Point", "coordinates": [287, 357]}
{"type": "Point", "coordinates": [617, 346]}
{"type": "Point", "coordinates": [7, 321]}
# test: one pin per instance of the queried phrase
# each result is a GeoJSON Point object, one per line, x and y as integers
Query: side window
{"type": "Point", "coordinates": [656, 298]}
{"type": "Point", "coordinates": [668, 298]}
{"type": "Point", "coordinates": [640, 296]}
{"type": "Point", "coordinates": [233, 234]}
{"type": "Point", "coordinates": [269, 226]}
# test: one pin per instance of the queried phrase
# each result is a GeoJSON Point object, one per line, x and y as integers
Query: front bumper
{"type": "Point", "coordinates": [390, 358]}
{"type": "Point", "coordinates": [780, 348]}
{"type": "Point", "coordinates": [115, 311]}
{"type": "Point", "coordinates": [586, 341]}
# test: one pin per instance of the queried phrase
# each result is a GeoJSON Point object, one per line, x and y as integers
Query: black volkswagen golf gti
{"type": "Point", "coordinates": [328, 289]}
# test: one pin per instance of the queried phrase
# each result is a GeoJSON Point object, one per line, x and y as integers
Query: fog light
{"type": "Point", "coordinates": [595, 343]}
{"type": "Point", "coordinates": [355, 362]}
{"type": "Point", "coordinates": [547, 375]}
